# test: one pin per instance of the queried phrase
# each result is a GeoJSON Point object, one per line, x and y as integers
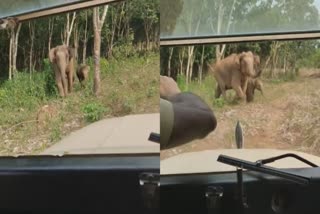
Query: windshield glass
{"type": "Point", "coordinates": [16, 7]}
{"type": "Point", "coordinates": [79, 82]}
{"type": "Point", "coordinates": [212, 18]}
{"type": "Point", "coordinates": [274, 97]}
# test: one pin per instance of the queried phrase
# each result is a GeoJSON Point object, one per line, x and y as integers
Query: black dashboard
{"type": "Point", "coordinates": [218, 193]}
{"type": "Point", "coordinates": [79, 184]}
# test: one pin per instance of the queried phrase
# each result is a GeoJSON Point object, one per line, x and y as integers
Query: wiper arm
{"type": "Point", "coordinates": [154, 137]}
{"type": "Point", "coordinates": [264, 169]}
{"type": "Point", "coordinates": [270, 160]}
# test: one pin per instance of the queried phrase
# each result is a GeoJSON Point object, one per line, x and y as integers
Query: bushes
{"type": "Point", "coordinates": [49, 78]}
{"type": "Point", "coordinates": [94, 111]}
{"type": "Point", "coordinates": [27, 91]}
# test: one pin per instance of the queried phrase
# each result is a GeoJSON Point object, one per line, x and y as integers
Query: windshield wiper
{"type": "Point", "coordinates": [154, 137]}
{"type": "Point", "coordinates": [273, 159]}
{"type": "Point", "coordinates": [258, 167]}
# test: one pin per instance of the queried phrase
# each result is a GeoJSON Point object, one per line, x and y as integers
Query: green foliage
{"type": "Point", "coordinates": [181, 81]}
{"type": "Point", "coordinates": [128, 106]}
{"type": "Point", "coordinates": [49, 78]}
{"type": "Point", "coordinates": [312, 61]}
{"type": "Point", "coordinates": [124, 51]}
{"type": "Point", "coordinates": [152, 91]}
{"type": "Point", "coordinates": [94, 111]}
{"type": "Point", "coordinates": [290, 75]}
{"type": "Point", "coordinates": [55, 130]}
{"type": "Point", "coordinates": [219, 103]}
{"type": "Point", "coordinates": [27, 90]}
{"type": "Point", "coordinates": [23, 91]}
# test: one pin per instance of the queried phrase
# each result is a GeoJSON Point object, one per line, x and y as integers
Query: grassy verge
{"type": "Point", "coordinates": [129, 86]}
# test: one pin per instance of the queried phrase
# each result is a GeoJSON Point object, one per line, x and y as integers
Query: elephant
{"type": "Point", "coordinates": [253, 84]}
{"type": "Point", "coordinates": [62, 60]}
{"type": "Point", "coordinates": [83, 74]}
{"type": "Point", "coordinates": [234, 72]}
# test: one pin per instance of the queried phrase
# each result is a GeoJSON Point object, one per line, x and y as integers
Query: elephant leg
{"type": "Point", "coordinates": [65, 84]}
{"type": "Point", "coordinates": [239, 92]}
{"type": "Point", "coordinates": [70, 82]}
{"type": "Point", "coordinates": [59, 83]}
{"type": "Point", "coordinates": [223, 91]}
{"type": "Point", "coordinates": [218, 92]}
{"type": "Point", "coordinates": [250, 95]}
{"type": "Point", "coordinates": [244, 85]}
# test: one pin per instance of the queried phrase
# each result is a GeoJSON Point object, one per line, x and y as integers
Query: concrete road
{"type": "Point", "coordinates": [128, 134]}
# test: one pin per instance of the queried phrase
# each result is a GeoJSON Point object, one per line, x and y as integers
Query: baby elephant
{"type": "Point", "coordinates": [83, 74]}
{"type": "Point", "coordinates": [252, 85]}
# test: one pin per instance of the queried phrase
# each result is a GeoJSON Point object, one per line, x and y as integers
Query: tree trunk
{"type": "Point", "coordinates": [189, 66]}
{"type": "Point", "coordinates": [97, 26]}
{"type": "Point", "coordinates": [273, 53]}
{"type": "Point", "coordinates": [181, 59]}
{"type": "Point", "coordinates": [201, 65]}
{"type": "Point", "coordinates": [97, 47]}
{"type": "Point", "coordinates": [51, 25]}
{"type": "Point", "coordinates": [169, 61]}
{"type": "Point", "coordinates": [147, 24]}
{"type": "Point", "coordinates": [69, 28]}
{"type": "Point", "coordinates": [114, 21]}
{"type": "Point", "coordinates": [31, 33]}
{"type": "Point", "coordinates": [85, 41]}
{"type": "Point", "coordinates": [76, 43]}
{"type": "Point", "coordinates": [285, 65]}
{"type": "Point", "coordinates": [120, 31]}
{"type": "Point", "coordinates": [219, 24]}
{"type": "Point", "coordinates": [13, 50]}
{"type": "Point", "coordinates": [10, 53]}
{"type": "Point", "coordinates": [220, 49]}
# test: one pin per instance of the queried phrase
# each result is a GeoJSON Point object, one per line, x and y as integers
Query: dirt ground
{"type": "Point", "coordinates": [271, 121]}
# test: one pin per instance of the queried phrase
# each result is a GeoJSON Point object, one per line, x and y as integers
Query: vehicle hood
{"type": "Point", "coordinates": [206, 161]}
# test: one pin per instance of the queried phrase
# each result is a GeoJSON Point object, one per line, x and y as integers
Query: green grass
{"type": "Point", "coordinates": [206, 90]}
{"type": "Point", "coordinates": [128, 86]}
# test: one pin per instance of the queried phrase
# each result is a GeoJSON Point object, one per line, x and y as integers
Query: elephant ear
{"type": "Point", "coordinates": [52, 55]}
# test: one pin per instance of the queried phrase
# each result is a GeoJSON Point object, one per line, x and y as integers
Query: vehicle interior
{"type": "Point", "coordinates": [94, 183]}
{"type": "Point", "coordinates": [236, 180]}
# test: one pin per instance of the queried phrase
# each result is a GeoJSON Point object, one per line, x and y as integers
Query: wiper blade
{"type": "Point", "coordinates": [264, 169]}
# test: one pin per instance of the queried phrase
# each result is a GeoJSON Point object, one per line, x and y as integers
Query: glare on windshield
{"type": "Point", "coordinates": [16, 7]}
{"type": "Point", "coordinates": [210, 18]}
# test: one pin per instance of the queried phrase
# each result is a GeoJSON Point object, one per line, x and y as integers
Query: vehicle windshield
{"type": "Point", "coordinates": [279, 108]}
{"type": "Point", "coordinates": [79, 82]}
{"type": "Point", "coordinates": [211, 18]}
{"type": "Point", "coordinates": [18, 7]}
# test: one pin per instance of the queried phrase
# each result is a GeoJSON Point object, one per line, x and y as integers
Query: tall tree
{"type": "Point", "coordinates": [69, 28]}
{"type": "Point", "coordinates": [97, 26]}
{"type": "Point", "coordinates": [13, 50]}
